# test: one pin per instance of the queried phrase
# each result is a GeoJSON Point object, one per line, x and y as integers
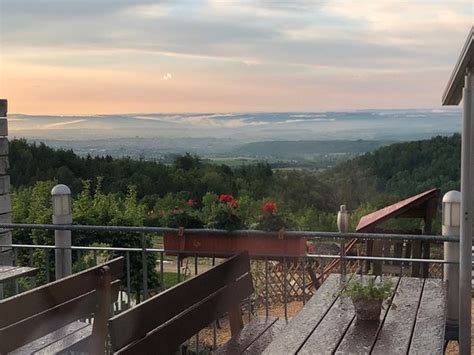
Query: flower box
{"type": "Point", "coordinates": [225, 244]}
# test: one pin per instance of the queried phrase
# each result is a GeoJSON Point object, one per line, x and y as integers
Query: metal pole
{"type": "Point", "coordinates": [62, 214]}
{"type": "Point", "coordinates": [144, 268]}
{"type": "Point", "coordinates": [451, 220]}
{"type": "Point", "coordinates": [129, 287]}
{"type": "Point", "coordinates": [465, 277]}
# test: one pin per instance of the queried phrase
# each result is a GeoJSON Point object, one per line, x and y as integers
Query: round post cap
{"type": "Point", "coordinates": [452, 197]}
{"type": "Point", "coordinates": [60, 189]}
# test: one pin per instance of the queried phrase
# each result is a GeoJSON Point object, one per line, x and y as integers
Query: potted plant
{"type": "Point", "coordinates": [223, 213]}
{"type": "Point", "coordinates": [367, 296]}
{"type": "Point", "coordinates": [271, 219]}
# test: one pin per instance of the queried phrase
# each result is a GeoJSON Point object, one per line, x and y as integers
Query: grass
{"type": "Point", "coordinates": [170, 279]}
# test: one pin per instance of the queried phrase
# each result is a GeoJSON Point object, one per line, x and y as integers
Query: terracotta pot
{"type": "Point", "coordinates": [227, 244]}
{"type": "Point", "coordinates": [368, 309]}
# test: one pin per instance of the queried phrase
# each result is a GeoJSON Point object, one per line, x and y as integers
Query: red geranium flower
{"type": "Point", "coordinates": [269, 207]}
{"type": "Point", "coordinates": [190, 202]}
{"type": "Point", "coordinates": [234, 204]}
{"type": "Point", "coordinates": [226, 198]}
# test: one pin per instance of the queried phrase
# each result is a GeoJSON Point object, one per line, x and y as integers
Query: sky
{"type": "Point", "coordinates": [67, 57]}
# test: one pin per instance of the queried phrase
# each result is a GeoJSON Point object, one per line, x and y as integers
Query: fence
{"type": "Point", "coordinates": [298, 272]}
{"type": "Point", "coordinates": [282, 285]}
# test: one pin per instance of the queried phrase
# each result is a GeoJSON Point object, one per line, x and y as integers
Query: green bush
{"type": "Point", "coordinates": [357, 289]}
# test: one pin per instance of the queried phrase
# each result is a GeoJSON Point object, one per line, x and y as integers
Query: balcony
{"type": "Point", "coordinates": [282, 284]}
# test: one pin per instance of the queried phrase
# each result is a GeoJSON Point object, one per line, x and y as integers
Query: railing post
{"type": "Point", "coordinates": [62, 214]}
{"type": "Point", "coordinates": [451, 219]}
{"type": "Point", "coordinates": [343, 227]}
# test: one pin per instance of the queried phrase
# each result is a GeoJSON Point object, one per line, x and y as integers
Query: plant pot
{"type": "Point", "coordinates": [227, 244]}
{"type": "Point", "coordinates": [368, 309]}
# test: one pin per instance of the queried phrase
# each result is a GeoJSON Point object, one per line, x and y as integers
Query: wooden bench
{"type": "Point", "coordinates": [47, 319]}
{"type": "Point", "coordinates": [162, 323]}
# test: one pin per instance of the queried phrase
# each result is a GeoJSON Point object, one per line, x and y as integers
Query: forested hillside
{"type": "Point", "coordinates": [309, 198]}
{"type": "Point", "coordinates": [398, 171]}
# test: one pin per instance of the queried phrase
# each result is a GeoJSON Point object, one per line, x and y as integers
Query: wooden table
{"type": "Point", "coordinates": [413, 321]}
{"type": "Point", "coordinates": [8, 273]}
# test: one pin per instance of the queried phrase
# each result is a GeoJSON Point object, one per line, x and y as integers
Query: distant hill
{"type": "Point", "coordinates": [386, 174]}
{"type": "Point", "coordinates": [398, 170]}
{"type": "Point", "coordinates": [289, 149]}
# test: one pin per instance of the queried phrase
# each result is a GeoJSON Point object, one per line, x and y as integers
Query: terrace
{"type": "Point", "coordinates": [282, 298]}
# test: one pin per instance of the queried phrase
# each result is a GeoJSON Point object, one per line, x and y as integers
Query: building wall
{"type": "Point", "coordinates": [5, 198]}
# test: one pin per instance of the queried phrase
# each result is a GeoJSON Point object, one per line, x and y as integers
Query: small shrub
{"type": "Point", "coordinates": [358, 290]}
{"type": "Point", "coordinates": [182, 215]}
{"type": "Point", "coordinates": [224, 213]}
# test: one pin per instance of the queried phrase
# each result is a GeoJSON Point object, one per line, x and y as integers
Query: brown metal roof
{"type": "Point", "coordinates": [396, 210]}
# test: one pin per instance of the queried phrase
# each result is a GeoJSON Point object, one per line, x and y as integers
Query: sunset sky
{"type": "Point", "coordinates": [130, 56]}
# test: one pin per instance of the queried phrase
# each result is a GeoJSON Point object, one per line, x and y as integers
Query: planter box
{"type": "Point", "coordinates": [226, 244]}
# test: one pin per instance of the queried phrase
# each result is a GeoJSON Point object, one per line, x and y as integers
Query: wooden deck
{"type": "Point", "coordinates": [412, 321]}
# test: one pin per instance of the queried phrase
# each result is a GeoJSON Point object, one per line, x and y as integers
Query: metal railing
{"type": "Point", "coordinates": [193, 263]}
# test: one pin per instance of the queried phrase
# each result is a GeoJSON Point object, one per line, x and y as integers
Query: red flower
{"type": "Point", "coordinates": [226, 198]}
{"type": "Point", "coordinates": [269, 207]}
{"type": "Point", "coordinates": [234, 204]}
{"type": "Point", "coordinates": [190, 202]}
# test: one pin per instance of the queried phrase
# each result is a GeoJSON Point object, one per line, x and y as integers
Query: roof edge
{"type": "Point", "coordinates": [369, 220]}
{"type": "Point", "coordinates": [453, 92]}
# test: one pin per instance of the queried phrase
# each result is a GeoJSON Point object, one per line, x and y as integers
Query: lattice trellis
{"type": "Point", "coordinates": [290, 281]}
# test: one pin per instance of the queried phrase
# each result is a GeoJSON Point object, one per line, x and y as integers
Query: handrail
{"type": "Point", "coordinates": [248, 232]}
{"type": "Point", "coordinates": [217, 254]}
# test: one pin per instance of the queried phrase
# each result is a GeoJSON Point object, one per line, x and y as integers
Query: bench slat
{"type": "Point", "coordinates": [77, 343]}
{"type": "Point", "coordinates": [41, 324]}
{"type": "Point", "coordinates": [50, 295]}
{"type": "Point", "coordinates": [428, 336]}
{"type": "Point", "coordinates": [29, 329]}
{"type": "Point", "coordinates": [252, 331]}
{"type": "Point", "coordinates": [136, 322]}
{"type": "Point", "coordinates": [168, 337]}
{"type": "Point", "coordinates": [48, 340]}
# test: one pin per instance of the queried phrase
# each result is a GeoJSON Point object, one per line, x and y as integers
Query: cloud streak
{"type": "Point", "coordinates": [233, 55]}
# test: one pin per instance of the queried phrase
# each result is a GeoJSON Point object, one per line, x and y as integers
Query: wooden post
{"type": "Point", "coordinates": [235, 320]}
{"type": "Point", "coordinates": [377, 250]}
{"type": "Point", "coordinates": [425, 267]}
{"type": "Point", "coordinates": [104, 296]}
{"type": "Point", "coordinates": [415, 254]}
{"type": "Point", "coordinates": [369, 247]}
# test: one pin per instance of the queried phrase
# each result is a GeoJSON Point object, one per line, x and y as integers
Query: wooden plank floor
{"type": "Point", "coordinates": [412, 322]}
